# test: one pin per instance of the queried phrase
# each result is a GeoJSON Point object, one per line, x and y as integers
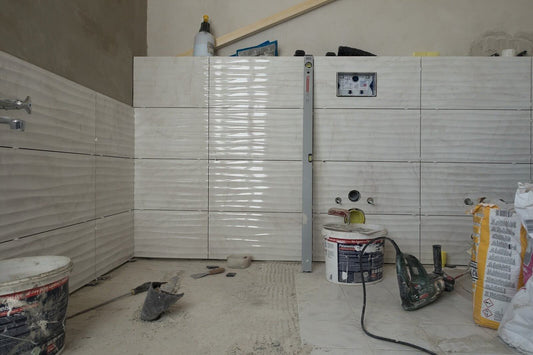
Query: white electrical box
{"type": "Point", "coordinates": [356, 84]}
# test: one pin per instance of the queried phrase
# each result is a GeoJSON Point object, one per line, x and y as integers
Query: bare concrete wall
{"type": "Point", "coordinates": [383, 27]}
{"type": "Point", "coordinates": [89, 42]}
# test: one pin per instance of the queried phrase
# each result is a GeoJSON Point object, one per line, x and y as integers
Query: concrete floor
{"type": "Point", "coordinates": [269, 308]}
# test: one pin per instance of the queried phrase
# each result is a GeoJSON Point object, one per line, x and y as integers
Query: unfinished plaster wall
{"type": "Point", "coordinates": [89, 42]}
{"type": "Point", "coordinates": [383, 27]}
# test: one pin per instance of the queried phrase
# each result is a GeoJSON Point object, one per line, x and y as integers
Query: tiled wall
{"type": "Point", "coordinates": [218, 148]}
{"type": "Point", "coordinates": [66, 182]}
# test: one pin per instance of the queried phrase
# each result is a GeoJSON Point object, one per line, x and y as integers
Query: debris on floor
{"type": "Point", "coordinates": [159, 298]}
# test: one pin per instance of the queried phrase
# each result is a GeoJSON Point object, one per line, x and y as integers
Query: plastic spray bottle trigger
{"type": "Point", "coordinates": [204, 42]}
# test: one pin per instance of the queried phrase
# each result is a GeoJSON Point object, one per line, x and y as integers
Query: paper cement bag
{"type": "Point", "coordinates": [496, 263]}
{"type": "Point", "coordinates": [523, 204]}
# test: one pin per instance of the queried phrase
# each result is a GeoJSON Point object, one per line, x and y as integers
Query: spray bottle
{"type": "Point", "coordinates": [204, 42]}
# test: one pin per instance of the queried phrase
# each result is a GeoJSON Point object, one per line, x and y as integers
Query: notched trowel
{"type": "Point", "coordinates": [161, 295]}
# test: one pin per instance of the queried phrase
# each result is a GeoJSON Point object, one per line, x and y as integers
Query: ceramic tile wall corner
{"type": "Point", "coordinates": [366, 135]}
{"type": "Point", "coordinates": [114, 128]}
{"type": "Point", "coordinates": [55, 179]}
{"type": "Point", "coordinates": [63, 112]}
{"type": "Point", "coordinates": [170, 234]}
{"type": "Point", "coordinates": [171, 133]}
{"type": "Point", "coordinates": [170, 82]}
{"type": "Point", "coordinates": [476, 136]}
{"type": "Point", "coordinates": [476, 83]}
{"type": "Point", "coordinates": [256, 82]}
{"type": "Point", "coordinates": [170, 184]}
{"type": "Point", "coordinates": [398, 82]}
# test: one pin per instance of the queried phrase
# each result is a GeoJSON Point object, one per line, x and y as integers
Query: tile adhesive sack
{"type": "Point", "coordinates": [516, 327]}
{"type": "Point", "coordinates": [496, 263]}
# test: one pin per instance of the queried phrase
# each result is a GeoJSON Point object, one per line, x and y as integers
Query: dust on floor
{"type": "Point", "coordinates": [255, 312]}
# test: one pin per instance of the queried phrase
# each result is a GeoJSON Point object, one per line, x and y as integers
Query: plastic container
{"type": "Point", "coordinates": [33, 304]}
{"type": "Point", "coordinates": [344, 243]}
{"type": "Point", "coordinates": [204, 42]}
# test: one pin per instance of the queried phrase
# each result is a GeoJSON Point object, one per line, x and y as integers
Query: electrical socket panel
{"type": "Point", "coordinates": [356, 84]}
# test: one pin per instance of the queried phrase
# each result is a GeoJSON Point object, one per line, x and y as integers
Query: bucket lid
{"type": "Point", "coordinates": [355, 230]}
{"type": "Point", "coordinates": [23, 273]}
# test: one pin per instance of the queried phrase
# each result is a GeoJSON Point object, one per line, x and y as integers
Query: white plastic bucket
{"type": "Point", "coordinates": [343, 243]}
{"type": "Point", "coordinates": [33, 304]}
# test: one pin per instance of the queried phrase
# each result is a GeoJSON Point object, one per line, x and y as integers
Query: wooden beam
{"type": "Point", "coordinates": [266, 23]}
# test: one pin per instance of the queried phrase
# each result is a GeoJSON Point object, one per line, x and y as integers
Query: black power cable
{"type": "Point", "coordinates": [364, 300]}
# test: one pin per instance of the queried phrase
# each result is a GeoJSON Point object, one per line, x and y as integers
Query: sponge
{"type": "Point", "coordinates": [239, 261]}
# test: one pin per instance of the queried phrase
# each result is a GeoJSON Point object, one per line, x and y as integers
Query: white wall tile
{"type": "Point", "coordinates": [115, 127]}
{"type": "Point", "coordinates": [114, 185]}
{"type": "Point", "coordinates": [255, 186]}
{"type": "Point", "coordinates": [40, 191]}
{"type": "Point", "coordinates": [403, 229]}
{"type": "Point", "coordinates": [171, 133]}
{"type": "Point", "coordinates": [171, 184]}
{"type": "Point", "coordinates": [452, 233]}
{"type": "Point", "coordinates": [264, 236]}
{"type": "Point", "coordinates": [476, 83]}
{"type": "Point", "coordinates": [170, 234]}
{"type": "Point", "coordinates": [255, 134]}
{"type": "Point", "coordinates": [114, 241]}
{"type": "Point", "coordinates": [264, 82]}
{"type": "Point", "coordinates": [476, 135]}
{"type": "Point", "coordinates": [170, 81]}
{"type": "Point", "coordinates": [63, 112]}
{"type": "Point", "coordinates": [75, 242]}
{"type": "Point", "coordinates": [398, 82]}
{"type": "Point", "coordinates": [393, 186]}
{"type": "Point", "coordinates": [353, 134]}
{"type": "Point", "coordinates": [446, 186]}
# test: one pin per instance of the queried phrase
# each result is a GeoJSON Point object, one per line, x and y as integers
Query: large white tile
{"type": "Point", "coordinates": [171, 184]}
{"type": "Point", "coordinates": [264, 236]}
{"type": "Point", "coordinates": [114, 127]}
{"type": "Point", "coordinates": [75, 242]}
{"type": "Point", "coordinates": [445, 187]}
{"type": "Point", "coordinates": [394, 187]}
{"type": "Point", "coordinates": [114, 185]}
{"type": "Point", "coordinates": [266, 134]}
{"type": "Point", "coordinates": [237, 185]}
{"type": "Point", "coordinates": [170, 234]}
{"type": "Point", "coordinates": [256, 82]}
{"type": "Point", "coordinates": [403, 229]}
{"type": "Point", "coordinates": [171, 133]}
{"type": "Point", "coordinates": [398, 82]}
{"type": "Point", "coordinates": [452, 233]}
{"type": "Point", "coordinates": [170, 81]}
{"type": "Point", "coordinates": [63, 112]}
{"type": "Point", "coordinates": [476, 83]}
{"type": "Point", "coordinates": [354, 134]}
{"type": "Point", "coordinates": [40, 191]}
{"type": "Point", "coordinates": [476, 135]}
{"type": "Point", "coordinates": [114, 241]}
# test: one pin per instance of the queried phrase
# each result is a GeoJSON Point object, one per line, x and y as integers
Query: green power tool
{"type": "Point", "coordinates": [417, 287]}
